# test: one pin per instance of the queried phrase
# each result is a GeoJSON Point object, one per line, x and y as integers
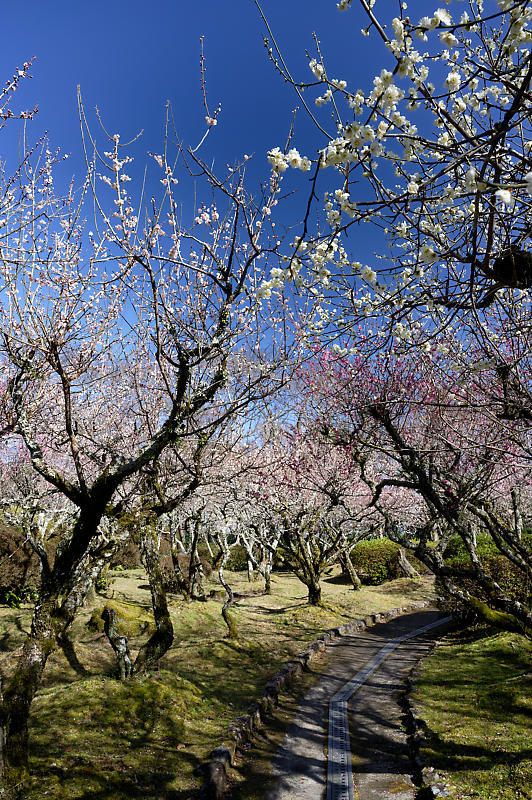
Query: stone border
{"type": "Point", "coordinates": [214, 770]}
{"type": "Point", "coordinates": [428, 781]}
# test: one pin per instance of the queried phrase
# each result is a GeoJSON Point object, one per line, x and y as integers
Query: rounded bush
{"type": "Point", "coordinates": [376, 561]}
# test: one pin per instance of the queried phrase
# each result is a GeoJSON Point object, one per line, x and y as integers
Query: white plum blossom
{"type": "Point", "coordinates": [429, 119]}
{"type": "Point", "coordinates": [316, 68]}
{"type": "Point", "coordinates": [448, 39]}
{"type": "Point", "coordinates": [278, 160]}
{"type": "Point", "coordinates": [453, 80]}
{"type": "Point", "coordinates": [470, 181]}
{"type": "Point", "coordinates": [427, 254]}
{"type": "Point", "coordinates": [368, 274]}
{"type": "Point", "coordinates": [505, 196]}
{"type": "Point", "coordinates": [293, 157]}
{"type": "Point", "coordinates": [442, 16]}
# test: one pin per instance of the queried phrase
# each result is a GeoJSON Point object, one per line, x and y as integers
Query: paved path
{"type": "Point", "coordinates": [380, 756]}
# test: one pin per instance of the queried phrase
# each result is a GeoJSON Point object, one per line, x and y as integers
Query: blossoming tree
{"type": "Point", "coordinates": [435, 157]}
{"type": "Point", "coordinates": [317, 507]}
{"type": "Point", "coordinates": [430, 167]}
{"type": "Point", "coordinates": [446, 446]}
{"type": "Point", "coordinates": [124, 343]}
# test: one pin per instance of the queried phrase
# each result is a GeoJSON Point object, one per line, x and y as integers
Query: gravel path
{"type": "Point", "coordinates": [380, 757]}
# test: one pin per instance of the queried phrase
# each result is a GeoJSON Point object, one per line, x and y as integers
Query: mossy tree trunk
{"type": "Point", "coordinates": [314, 593]}
{"type": "Point", "coordinates": [18, 695]}
{"type": "Point", "coordinates": [162, 638]}
{"type": "Point", "coordinates": [404, 564]}
{"type": "Point", "coordinates": [347, 566]}
{"type": "Point", "coordinates": [195, 573]}
{"type": "Point", "coordinates": [176, 551]}
{"type": "Point", "coordinates": [268, 573]}
{"type": "Point", "coordinates": [60, 595]}
{"type": "Point", "coordinates": [251, 575]}
{"type": "Point", "coordinates": [310, 569]}
{"type": "Point", "coordinates": [118, 643]}
{"type": "Point", "coordinates": [230, 598]}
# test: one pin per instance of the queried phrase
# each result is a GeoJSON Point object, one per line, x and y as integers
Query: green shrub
{"type": "Point", "coordinates": [13, 597]}
{"type": "Point", "coordinates": [456, 547]}
{"type": "Point", "coordinates": [514, 582]}
{"type": "Point", "coordinates": [238, 560]}
{"type": "Point", "coordinates": [375, 561]}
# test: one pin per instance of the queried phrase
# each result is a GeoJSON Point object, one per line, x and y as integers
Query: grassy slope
{"type": "Point", "coordinates": [480, 719]}
{"type": "Point", "coordinates": [94, 737]}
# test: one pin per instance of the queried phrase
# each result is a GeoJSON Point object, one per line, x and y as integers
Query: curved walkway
{"type": "Point", "coordinates": [381, 763]}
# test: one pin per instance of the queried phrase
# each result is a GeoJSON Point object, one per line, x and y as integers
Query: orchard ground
{"type": "Point", "coordinates": [480, 718]}
{"type": "Point", "coordinates": [94, 736]}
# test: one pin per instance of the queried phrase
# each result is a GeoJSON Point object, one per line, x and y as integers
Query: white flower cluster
{"type": "Point", "coordinates": [316, 68]}
{"type": "Point", "coordinates": [279, 276]}
{"type": "Point", "coordinates": [442, 175]}
{"type": "Point", "coordinates": [440, 17]}
{"type": "Point", "coordinates": [344, 203]}
{"type": "Point", "coordinates": [366, 273]}
{"type": "Point", "coordinates": [281, 161]}
{"type": "Point", "coordinates": [386, 92]}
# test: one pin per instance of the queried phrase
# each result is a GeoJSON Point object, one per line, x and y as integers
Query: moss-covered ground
{"type": "Point", "coordinates": [480, 717]}
{"type": "Point", "coordinates": [95, 737]}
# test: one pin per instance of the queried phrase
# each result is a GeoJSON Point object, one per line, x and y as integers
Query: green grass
{"type": "Point", "coordinates": [94, 737]}
{"type": "Point", "coordinates": [480, 717]}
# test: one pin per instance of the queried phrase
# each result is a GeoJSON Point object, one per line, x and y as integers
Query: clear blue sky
{"type": "Point", "coordinates": [130, 56]}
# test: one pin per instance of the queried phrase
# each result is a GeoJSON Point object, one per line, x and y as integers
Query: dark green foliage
{"type": "Point", "coordinates": [238, 560]}
{"type": "Point", "coordinates": [514, 582]}
{"type": "Point", "coordinates": [13, 597]}
{"type": "Point", "coordinates": [456, 547]}
{"type": "Point", "coordinates": [375, 561]}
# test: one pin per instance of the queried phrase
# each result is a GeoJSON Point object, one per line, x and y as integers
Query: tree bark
{"type": "Point", "coordinates": [250, 571]}
{"type": "Point", "coordinates": [161, 640]}
{"type": "Point", "coordinates": [405, 565]}
{"type": "Point", "coordinates": [17, 698]}
{"type": "Point", "coordinates": [268, 573]}
{"type": "Point", "coordinates": [518, 519]}
{"type": "Point", "coordinates": [182, 583]}
{"type": "Point", "coordinates": [347, 564]}
{"type": "Point", "coordinates": [314, 593]}
{"type": "Point", "coordinates": [118, 643]}
{"type": "Point", "coordinates": [195, 573]}
{"type": "Point", "coordinates": [230, 599]}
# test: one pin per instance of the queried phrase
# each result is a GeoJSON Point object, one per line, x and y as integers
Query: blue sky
{"type": "Point", "coordinates": [130, 56]}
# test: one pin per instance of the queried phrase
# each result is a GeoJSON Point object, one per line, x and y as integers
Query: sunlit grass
{"type": "Point", "coordinates": [94, 737]}
{"type": "Point", "coordinates": [480, 717]}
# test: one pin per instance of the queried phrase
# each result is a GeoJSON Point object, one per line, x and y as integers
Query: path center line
{"type": "Point", "coordinates": [339, 770]}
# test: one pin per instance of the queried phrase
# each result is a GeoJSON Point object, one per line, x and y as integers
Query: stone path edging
{"type": "Point", "coordinates": [214, 769]}
{"type": "Point", "coordinates": [428, 780]}
{"type": "Point", "coordinates": [339, 771]}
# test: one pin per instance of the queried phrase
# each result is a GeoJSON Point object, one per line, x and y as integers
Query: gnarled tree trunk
{"type": "Point", "coordinates": [161, 640]}
{"type": "Point", "coordinates": [406, 567]}
{"type": "Point", "coordinates": [118, 643]}
{"type": "Point", "coordinates": [348, 567]}
{"type": "Point", "coordinates": [18, 695]}
{"type": "Point", "coordinates": [230, 599]}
